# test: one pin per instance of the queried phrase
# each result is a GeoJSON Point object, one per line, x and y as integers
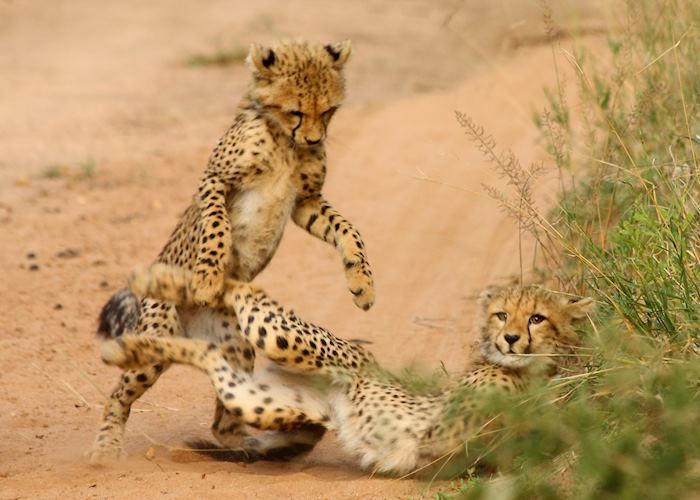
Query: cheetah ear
{"type": "Point", "coordinates": [579, 308]}
{"type": "Point", "coordinates": [486, 297]}
{"type": "Point", "coordinates": [339, 53]}
{"type": "Point", "coordinates": [261, 59]}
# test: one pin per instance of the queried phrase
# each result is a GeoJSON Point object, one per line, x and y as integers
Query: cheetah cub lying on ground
{"type": "Point", "coordinates": [269, 166]}
{"type": "Point", "coordinates": [389, 428]}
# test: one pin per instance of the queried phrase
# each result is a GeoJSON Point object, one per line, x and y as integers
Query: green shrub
{"type": "Point", "coordinates": [624, 423]}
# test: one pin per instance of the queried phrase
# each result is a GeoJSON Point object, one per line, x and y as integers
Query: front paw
{"type": "Point", "coordinates": [206, 287]}
{"type": "Point", "coordinates": [113, 353]}
{"type": "Point", "coordinates": [131, 352]}
{"type": "Point", "coordinates": [361, 285]}
{"type": "Point", "coordinates": [106, 451]}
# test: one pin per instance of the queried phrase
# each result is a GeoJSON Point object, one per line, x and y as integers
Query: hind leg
{"type": "Point", "coordinates": [271, 445]}
{"type": "Point", "coordinates": [156, 319]}
{"type": "Point", "coordinates": [230, 430]}
{"type": "Point", "coordinates": [298, 413]}
{"type": "Point", "coordinates": [227, 428]}
{"type": "Point", "coordinates": [289, 341]}
{"type": "Point", "coordinates": [257, 404]}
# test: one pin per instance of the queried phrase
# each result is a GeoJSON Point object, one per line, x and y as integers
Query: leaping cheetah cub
{"type": "Point", "coordinates": [389, 428]}
{"type": "Point", "coordinates": [269, 166]}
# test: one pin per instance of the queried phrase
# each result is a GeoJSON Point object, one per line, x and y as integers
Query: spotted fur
{"type": "Point", "coordinates": [389, 428]}
{"type": "Point", "coordinates": [269, 166]}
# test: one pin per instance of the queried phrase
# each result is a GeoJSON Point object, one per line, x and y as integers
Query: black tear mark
{"type": "Point", "coordinates": [294, 130]}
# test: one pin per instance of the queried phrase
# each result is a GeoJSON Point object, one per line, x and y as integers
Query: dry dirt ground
{"type": "Point", "coordinates": [104, 128]}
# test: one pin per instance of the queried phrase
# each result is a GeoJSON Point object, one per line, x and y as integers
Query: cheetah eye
{"type": "Point", "coordinates": [298, 114]}
{"type": "Point", "coordinates": [536, 319]}
{"type": "Point", "coordinates": [501, 315]}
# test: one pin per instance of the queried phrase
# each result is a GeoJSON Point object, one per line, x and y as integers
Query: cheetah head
{"type": "Point", "coordinates": [299, 86]}
{"type": "Point", "coordinates": [518, 321]}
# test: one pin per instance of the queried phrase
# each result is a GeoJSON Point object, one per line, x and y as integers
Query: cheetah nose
{"type": "Point", "coordinates": [511, 339]}
{"type": "Point", "coordinates": [310, 142]}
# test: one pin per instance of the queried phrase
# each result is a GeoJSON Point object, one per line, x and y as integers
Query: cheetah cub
{"type": "Point", "coordinates": [389, 428]}
{"type": "Point", "coordinates": [269, 166]}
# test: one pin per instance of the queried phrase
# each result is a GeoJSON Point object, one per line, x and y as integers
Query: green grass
{"type": "Point", "coordinates": [623, 421]}
{"type": "Point", "coordinates": [52, 172]}
{"type": "Point", "coordinates": [82, 171]}
{"type": "Point", "coordinates": [220, 57]}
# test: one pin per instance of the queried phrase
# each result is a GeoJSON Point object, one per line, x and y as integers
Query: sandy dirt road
{"type": "Point", "coordinates": [104, 130]}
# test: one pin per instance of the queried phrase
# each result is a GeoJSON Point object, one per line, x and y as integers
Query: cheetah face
{"type": "Point", "coordinates": [521, 325]}
{"type": "Point", "coordinates": [299, 86]}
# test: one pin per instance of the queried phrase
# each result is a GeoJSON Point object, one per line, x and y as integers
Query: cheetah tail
{"type": "Point", "coordinates": [119, 315]}
{"type": "Point", "coordinates": [273, 446]}
{"type": "Point", "coordinates": [163, 282]}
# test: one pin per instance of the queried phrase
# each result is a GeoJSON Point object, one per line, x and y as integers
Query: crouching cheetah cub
{"type": "Point", "coordinates": [269, 166]}
{"type": "Point", "coordinates": [388, 427]}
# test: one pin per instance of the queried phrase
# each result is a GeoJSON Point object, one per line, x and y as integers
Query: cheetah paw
{"type": "Point", "coordinates": [139, 281]}
{"type": "Point", "coordinates": [364, 299]}
{"type": "Point", "coordinates": [206, 288]}
{"type": "Point", "coordinates": [102, 455]}
{"type": "Point", "coordinates": [361, 285]}
{"type": "Point", "coordinates": [114, 354]}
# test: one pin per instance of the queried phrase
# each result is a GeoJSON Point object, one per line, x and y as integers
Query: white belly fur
{"type": "Point", "coordinates": [203, 323]}
{"type": "Point", "coordinates": [258, 217]}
